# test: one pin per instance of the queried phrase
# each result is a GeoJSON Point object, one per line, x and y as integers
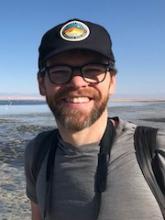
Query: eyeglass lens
{"type": "Point", "coordinates": [92, 73]}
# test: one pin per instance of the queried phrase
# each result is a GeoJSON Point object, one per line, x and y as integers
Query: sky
{"type": "Point", "coordinates": [137, 29]}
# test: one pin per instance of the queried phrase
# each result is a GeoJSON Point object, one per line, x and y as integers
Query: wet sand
{"type": "Point", "coordinates": [161, 120]}
{"type": "Point", "coordinates": [14, 136]}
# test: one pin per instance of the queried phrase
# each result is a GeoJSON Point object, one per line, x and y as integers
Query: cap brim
{"type": "Point", "coordinates": [70, 48]}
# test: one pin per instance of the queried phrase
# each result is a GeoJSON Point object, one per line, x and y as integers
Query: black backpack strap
{"type": "Point", "coordinates": [103, 162]}
{"type": "Point", "coordinates": [49, 170]}
{"type": "Point", "coordinates": [104, 157]}
{"type": "Point", "coordinates": [145, 145]}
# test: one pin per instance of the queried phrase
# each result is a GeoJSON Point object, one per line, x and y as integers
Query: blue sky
{"type": "Point", "coordinates": [137, 30]}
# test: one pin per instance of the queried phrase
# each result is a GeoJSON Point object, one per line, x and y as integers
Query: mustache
{"type": "Point", "coordinates": [69, 92]}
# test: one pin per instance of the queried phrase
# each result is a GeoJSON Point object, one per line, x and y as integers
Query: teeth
{"type": "Point", "coordinates": [78, 99]}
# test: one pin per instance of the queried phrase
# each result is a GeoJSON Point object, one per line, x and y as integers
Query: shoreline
{"type": "Point", "coordinates": [41, 100]}
{"type": "Point", "coordinates": [138, 100]}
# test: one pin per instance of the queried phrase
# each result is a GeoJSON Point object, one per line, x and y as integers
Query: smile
{"type": "Point", "coordinates": [77, 100]}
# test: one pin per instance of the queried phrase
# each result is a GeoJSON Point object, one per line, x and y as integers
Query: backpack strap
{"type": "Point", "coordinates": [104, 157]}
{"type": "Point", "coordinates": [53, 144]}
{"type": "Point", "coordinates": [145, 146]}
{"type": "Point", "coordinates": [103, 162]}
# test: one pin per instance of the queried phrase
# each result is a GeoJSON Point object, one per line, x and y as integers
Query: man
{"type": "Point", "coordinates": [77, 76]}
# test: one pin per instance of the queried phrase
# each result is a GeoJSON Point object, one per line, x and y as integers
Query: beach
{"type": "Point", "coordinates": [15, 132]}
{"type": "Point", "coordinates": [18, 126]}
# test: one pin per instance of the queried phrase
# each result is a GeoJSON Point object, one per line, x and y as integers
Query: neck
{"type": "Point", "coordinates": [92, 134]}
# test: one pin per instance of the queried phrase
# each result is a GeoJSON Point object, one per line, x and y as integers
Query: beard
{"type": "Point", "coordinates": [74, 119]}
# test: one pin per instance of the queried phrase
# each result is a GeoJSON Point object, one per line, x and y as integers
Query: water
{"type": "Point", "coordinates": [15, 109]}
{"type": "Point", "coordinates": [22, 109]}
{"type": "Point", "coordinates": [148, 113]}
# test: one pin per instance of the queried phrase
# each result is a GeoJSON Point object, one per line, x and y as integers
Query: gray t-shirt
{"type": "Point", "coordinates": [73, 196]}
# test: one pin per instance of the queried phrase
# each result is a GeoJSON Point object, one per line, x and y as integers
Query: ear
{"type": "Point", "coordinates": [112, 86]}
{"type": "Point", "coordinates": [41, 84]}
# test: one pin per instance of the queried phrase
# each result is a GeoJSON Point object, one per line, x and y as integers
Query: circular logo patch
{"type": "Point", "coordinates": [74, 31]}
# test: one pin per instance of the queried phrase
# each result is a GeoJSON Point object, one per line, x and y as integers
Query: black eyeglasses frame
{"type": "Point", "coordinates": [45, 70]}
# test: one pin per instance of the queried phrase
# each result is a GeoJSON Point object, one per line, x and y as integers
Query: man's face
{"type": "Point", "coordinates": [77, 104]}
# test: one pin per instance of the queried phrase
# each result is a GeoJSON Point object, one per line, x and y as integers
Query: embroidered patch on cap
{"type": "Point", "coordinates": [74, 31]}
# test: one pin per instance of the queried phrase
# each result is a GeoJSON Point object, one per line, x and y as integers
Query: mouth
{"type": "Point", "coordinates": [77, 99]}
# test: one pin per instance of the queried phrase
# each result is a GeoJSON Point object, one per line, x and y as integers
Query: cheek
{"type": "Point", "coordinates": [50, 89]}
{"type": "Point", "coordinates": [105, 87]}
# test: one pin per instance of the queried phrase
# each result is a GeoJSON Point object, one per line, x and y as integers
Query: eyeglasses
{"type": "Point", "coordinates": [92, 73]}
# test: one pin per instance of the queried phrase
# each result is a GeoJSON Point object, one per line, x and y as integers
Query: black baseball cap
{"type": "Point", "coordinates": [75, 34]}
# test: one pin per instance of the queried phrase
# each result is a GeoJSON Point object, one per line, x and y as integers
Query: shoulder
{"type": "Point", "coordinates": [33, 146]}
{"type": "Point", "coordinates": [125, 127]}
{"type": "Point", "coordinates": [31, 161]}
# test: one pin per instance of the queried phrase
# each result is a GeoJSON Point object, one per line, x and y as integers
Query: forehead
{"type": "Point", "coordinates": [73, 57]}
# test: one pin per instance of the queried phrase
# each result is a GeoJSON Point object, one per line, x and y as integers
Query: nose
{"type": "Point", "coordinates": [77, 80]}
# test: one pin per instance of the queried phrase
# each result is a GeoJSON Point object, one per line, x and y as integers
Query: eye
{"type": "Point", "coordinates": [59, 70]}
{"type": "Point", "coordinates": [94, 69]}
{"type": "Point", "coordinates": [59, 74]}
